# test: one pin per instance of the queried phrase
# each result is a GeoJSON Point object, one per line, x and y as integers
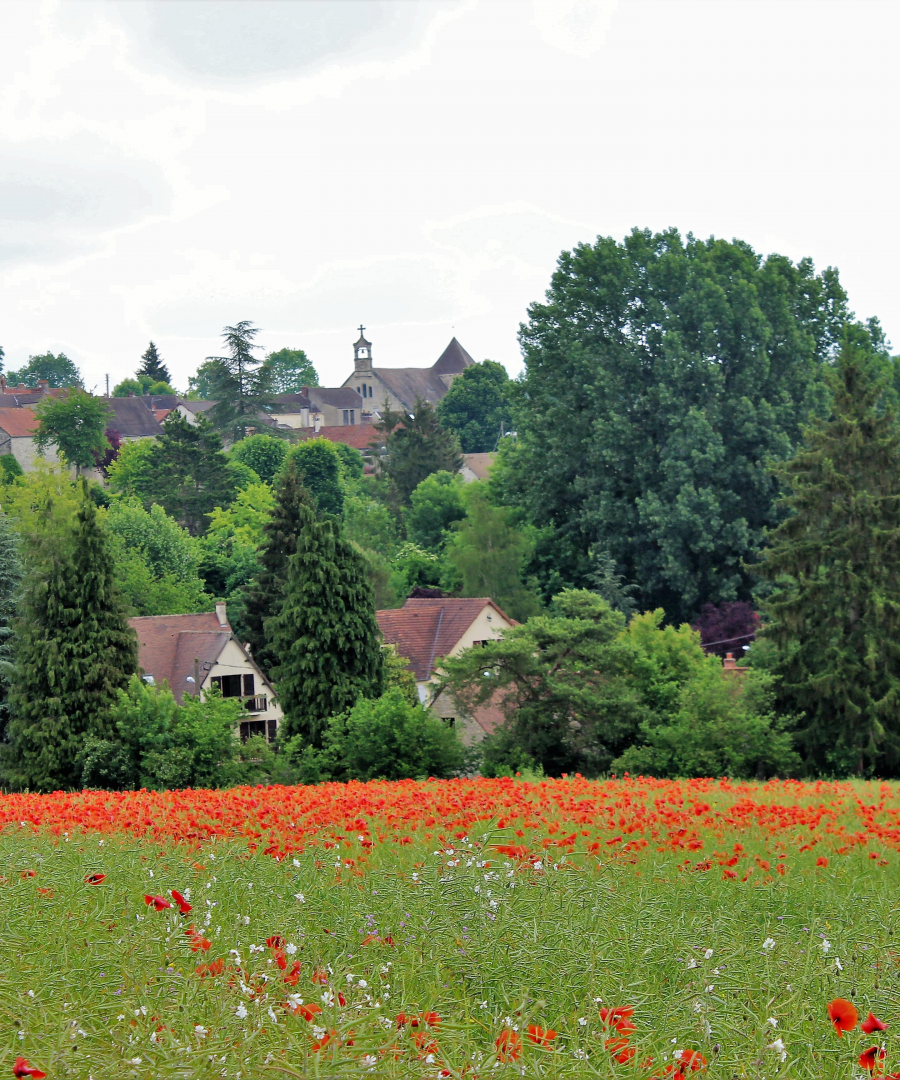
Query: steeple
{"type": "Point", "coordinates": [362, 352]}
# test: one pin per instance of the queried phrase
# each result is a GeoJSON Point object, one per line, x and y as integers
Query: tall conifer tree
{"type": "Point", "coordinates": [326, 637]}
{"type": "Point", "coordinates": [265, 594]}
{"type": "Point", "coordinates": [73, 649]}
{"type": "Point", "coordinates": [835, 613]}
{"type": "Point", "coordinates": [152, 365]}
{"type": "Point", "coordinates": [10, 581]}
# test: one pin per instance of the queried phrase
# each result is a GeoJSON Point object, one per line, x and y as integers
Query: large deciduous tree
{"type": "Point", "coordinates": [661, 375]}
{"type": "Point", "coordinates": [834, 615]}
{"type": "Point", "coordinates": [319, 469]}
{"type": "Point", "coordinates": [76, 424]}
{"type": "Point", "coordinates": [73, 650]}
{"type": "Point", "coordinates": [59, 371]}
{"type": "Point", "coordinates": [477, 407]}
{"type": "Point", "coordinates": [289, 370]}
{"type": "Point", "coordinates": [325, 638]}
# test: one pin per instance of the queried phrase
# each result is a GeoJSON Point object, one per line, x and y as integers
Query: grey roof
{"type": "Point", "coordinates": [405, 385]}
{"type": "Point", "coordinates": [291, 403]}
{"type": "Point", "coordinates": [196, 405]}
{"type": "Point", "coordinates": [452, 360]}
{"type": "Point", "coordinates": [13, 401]}
{"type": "Point", "coordinates": [338, 397]}
{"type": "Point", "coordinates": [132, 419]}
{"type": "Point", "coordinates": [160, 401]}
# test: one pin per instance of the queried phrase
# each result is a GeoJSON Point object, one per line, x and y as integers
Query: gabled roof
{"type": "Point", "coordinates": [479, 464]}
{"type": "Point", "coordinates": [339, 397]}
{"type": "Point", "coordinates": [452, 360]}
{"type": "Point", "coordinates": [356, 435]}
{"type": "Point", "coordinates": [424, 630]}
{"type": "Point", "coordinates": [19, 422]}
{"type": "Point", "coordinates": [294, 402]}
{"type": "Point", "coordinates": [159, 401]}
{"type": "Point", "coordinates": [11, 400]}
{"type": "Point", "coordinates": [131, 418]}
{"type": "Point", "coordinates": [406, 385]}
{"type": "Point", "coordinates": [168, 645]}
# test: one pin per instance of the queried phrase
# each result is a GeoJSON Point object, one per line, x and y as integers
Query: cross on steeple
{"type": "Point", "coordinates": [361, 329]}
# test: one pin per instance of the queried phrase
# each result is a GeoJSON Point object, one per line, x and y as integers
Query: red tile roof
{"type": "Point", "coordinates": [424, 629]}
{"type": "Point", "coordinates": [168, 645]}
{"type": "Point", "coordinates": [18, 423]}
{"type": "Point", "coordinates": [356, 435]}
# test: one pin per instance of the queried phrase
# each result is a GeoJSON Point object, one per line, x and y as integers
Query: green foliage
{"type": "Point", "coordinates": [562, 681]}
{"type": "Point", "coordinates": [156, 560]}
{"type": "Point", "coordinates": [325, 637]}
{"type": "Point", "coordinates": [76, 423]}
{"type": "Point", "coordinates": [59, 371]}
{"type": "Point", "coordinates": [159, 744]}
{"type": "Point", "coordinates": [352, 464]}
{"type": "Point", "coordinates": [263, 596]}
{"type": "Point", "coordinates": [414, 566]}
{"type": "Point", "coordinates": [128, 386]}
{"type": "Point", "coordinates": [10, 583]}
{"type": "Point", "coordinates": [607, 582]}
{"type": "Point", "coordinates": [389, 738]}
{"type": "Point", "coordinates": [201, 385]}
{"type": "Point", "coordinates": [142, 385]}
{"type": "Point", "coordinates": [834, 614]}
{"type": "Point", "coordinates": [319, 469]}
{"type": "Point", "coordinates": [435, 504]}
{"type": "Point", "coordinates": [371, 524]}
{"type": "Point", "coordinates": [239, 383]}
{"type": "Point", "coordinates": [416, 448]}
{"type": "Point", "coordinates": [73, 650]}
{"type": "Point", "coordinates": [42, 501]}
{"type": "Point", "coordinates": [398, 675]}
{"type": "Point", "coordinates": [152, 368]}
{"type": "Point", "coordinates": [476, 406]}
{"type": "Point", "coordinates": [263, 453]}
{"type": "Point", "coordinates": [186, 472]}
{"type": "Point", "coordinates": [289, 370]}
{"type": "Point", "coordinates": [9, 468]}
{"type": "Point", "coordinates": [132, 471]}
{"type": "Point", "coordinates": [661, 376]}
{"type": "Point", "coordinates": [489, 553]}
{"type": "Point", "coordinates": [242, 475]}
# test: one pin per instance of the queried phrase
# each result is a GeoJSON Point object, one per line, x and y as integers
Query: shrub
{"type": "Point", "coordinates": [263, 453]}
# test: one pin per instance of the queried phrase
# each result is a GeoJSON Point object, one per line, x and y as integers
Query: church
{"type": "Point", "coordinates": [399, 388]}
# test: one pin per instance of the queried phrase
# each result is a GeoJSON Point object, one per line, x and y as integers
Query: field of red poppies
{"type": "Point", "coordinates": [633, 928]}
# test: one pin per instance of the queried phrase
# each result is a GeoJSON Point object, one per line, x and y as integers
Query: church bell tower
{"type": "Point", "coordinates": [362, 353]}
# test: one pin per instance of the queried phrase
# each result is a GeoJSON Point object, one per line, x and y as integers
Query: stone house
{"type": "Point", "coordinates": [17, 428]}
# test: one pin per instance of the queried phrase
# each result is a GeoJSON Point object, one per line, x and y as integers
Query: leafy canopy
{"type": "Point", "coordinates": [477, 407]}
{"type": "Point", "coordinates": [76, 424]}
{"type": "Point", "coordinates": [263, 453]}
{"type": "Point", "coordinates": [59, 371]}
{"type": "Point", "coordinates": [435, 504]}
{"type": "Point", "coordinates": [416, 446]}
{"type": "Point", "coordinates": [289, 370]}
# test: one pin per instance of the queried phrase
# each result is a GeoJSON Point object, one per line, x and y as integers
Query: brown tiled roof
{"type": "Point", "coordinates": [452, 360]}
{"type": "Point", "coordinates": [424, 630]}
{"type": "Point", "coordinates": [168, 645]}
{"type": "Point", "coordinates": [19, 422]}
{"type": "Point", "coordinates": [479, 463]}
{"type": "Point", "coordinates": [132, 418]}
{"type": "Point", "coordinates": [356, 435]}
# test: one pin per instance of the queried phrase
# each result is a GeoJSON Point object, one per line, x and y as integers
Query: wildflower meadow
{"type": "Point", "coordinates": [466, 928]}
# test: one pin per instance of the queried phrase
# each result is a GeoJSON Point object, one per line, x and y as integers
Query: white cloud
{"type": "Point", "coordinates": [579, 27]}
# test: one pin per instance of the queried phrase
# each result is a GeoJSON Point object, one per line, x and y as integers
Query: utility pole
{"type": "Point", "coordinates": [107, 386]}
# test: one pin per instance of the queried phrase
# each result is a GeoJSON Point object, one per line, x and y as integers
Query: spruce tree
{"type": "Point", "coordinates": [152, 366]}
{"type": "Point", "coordinates": [325, 637]}
{"type": "Point", "coordinates": [10, 581]}
{"type": "Point", "coordinates": [834, 614]}
{"type": "Point", "coordinates": [265, 594]}
{"type": "Point", "coordinates": [73, 649]}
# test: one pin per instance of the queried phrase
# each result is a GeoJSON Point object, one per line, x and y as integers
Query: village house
{"type": "Point", "coordinates": [476, 466]}
{"type": "Point", "coordinates": [402, 387]}
{"type": "Point", "coordinates": [194, 653]}
{"type": "Point", "coordinates": [425, 630]}
{"type": "Point", "coordinates": [132, 419]}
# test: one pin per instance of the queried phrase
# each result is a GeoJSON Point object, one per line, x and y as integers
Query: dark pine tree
{"type": "Point", "coordinates": [834, 614]}
{"type": "Point", "coordinates": [10, 581]}
{"type": "Point", "coordinates": [326, 638]}
{"type": "Point", "coordinates": [152, 365]}
{"type": "Point", "coordinates": [73, 650]}
{"type": "Point", "coordinates": [417, 446]}
{"type": "Point", "coordinates": [265, 594]}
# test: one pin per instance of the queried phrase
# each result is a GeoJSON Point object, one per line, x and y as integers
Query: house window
{"type": "Point", "coordinates": [249, 686]}
{"type": "Point", "coordinates": [252, 727]}
{"type": "Point", "coordinates": [481, 644]}
{"type": "Point", "coordinates": [353, 416]}
{"type": "Point", "coordinates": [230, 685]}
{"type": "Point", "coordinates": [346, 415]}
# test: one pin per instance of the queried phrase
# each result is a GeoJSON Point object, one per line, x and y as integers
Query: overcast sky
{"type": "Point", "coordinates": [169, 167]}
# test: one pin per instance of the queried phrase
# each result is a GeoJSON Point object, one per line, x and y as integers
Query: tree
{"type": "Point", "coordinates": [200, 386]}
{"type": "Point", "coordinates": [390, 738]}
{"type": "Point", "coordinates": [239, 383]}
{"type": "Point", "coordinates": [661, 375]}
{"type": "Point", "coordinates": [563, 683]}
{"type": "Point", "coordinates": [73, 651]}
{"type": "Point", "coordinates": [140, 386]}
{"type": "Point", "coordinates": [728, 627]}
{"type": "Point", "coordinates": [489, 554]}
{"type": "Point", "coordinates": [325, 637]}
{"type": "Point", "coordinates": [132, 471]}
{"type": "Point", "coordinates": [435, 504]}
{"type": "Point", "coordinates": [152, 366]}
{"type": "Point", "coordinates": [319, 470]}
{"type": "Point", "coordinates": [187, 473]}
{"type": "Point", "coordinates": [263, 453]}
{"type": "Point", "coordinates": [10, 582]}
{"type": "Point", "coordinates": [834, 614]}
{"type": "Point", "coordinates": [59, 371]}
{"type": "Point", "coordinates": [289, 370]}
{"type": "Point", "coordinates": [398, 675]}
{"type": "Point", "coordinates": [416, 447]}
{"type": "Point", "coordinates": [477, 407]}
{"type": "Point", "coordinates": [264, 595]}
{"type": "Point", "coordinates": [351, 461]}
{"type": "Point", "coordinates": [76, 423]}
{"type": "Point", "coordinates": [607, 582]}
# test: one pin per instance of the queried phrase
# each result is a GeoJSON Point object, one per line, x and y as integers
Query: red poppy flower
{"type": "Point", "coordinates": [821, 861]}
{"type": "Point", "coordinates": [842, 1013]}
{"type": "Point", "coordinates": [620, 1050]}
{"type": "Point", "coordinates": [319, 1044]}
{"type": "Point", "coordinates": [275, 941]}
{"type": "Point", "coordinates": [94, 879]}
{"type": "Point", "coordinates": [183, 906]}
{"type": "Point", "coordinates": [159, 902]}
{"type": "Point", "coordinates": [320, 976]}
{"type": "Point", "coordinates": [294, 974]}
{"type": "Point", "coordinates": [22, 1068]}
{"type": "Point", "coordinates": [690, 1061]}
{"type": "Point", "coordinates": [870, 1058]}
{"type": "Point", "coordinates": [872, 1023]}
{"type": "Point", "coordinates": [541, 1036]}
{"type": "Point", "coordinates": [509, 1046]}
{"type": "Point", "coordinates": [307, 1011]}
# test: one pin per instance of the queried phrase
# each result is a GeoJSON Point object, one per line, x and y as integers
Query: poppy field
{"type": "Point", "coordinates": [470, 928]}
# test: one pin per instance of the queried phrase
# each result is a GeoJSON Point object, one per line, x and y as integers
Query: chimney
{"type": "Point", "coordinates": [43, 384]}
{"type": "Point", "coordinates": [220, 613]}
{"type": "Point", "coordinates": [2, 384]}
{"type": "Point", "coordinates": [729, 663]}
{"type": "Point", "coordinates": [317, 422]}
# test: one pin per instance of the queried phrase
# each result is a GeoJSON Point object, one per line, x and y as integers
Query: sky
{"type": "Point", "coordinates": [174, 166]}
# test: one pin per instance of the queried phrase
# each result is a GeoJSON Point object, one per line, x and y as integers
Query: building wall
{"type": "Point", "coordinates": [380, 392]}
{"type": "Point", "coordinates": [26, 453]}
{"type": "Point", "coordinates": [233, 661]}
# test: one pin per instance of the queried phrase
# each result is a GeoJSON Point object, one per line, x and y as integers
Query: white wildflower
{"type": "Point", "coordinates": [778, 1047]}
{"type": "Point", "coordinates": [825, 946]}
{"type": "Point", "coordinates": [769, 943]}
{"type": "Point", "coordinates": [708, 954]}
{"type": "Point", "coordinates": [241, 1011]}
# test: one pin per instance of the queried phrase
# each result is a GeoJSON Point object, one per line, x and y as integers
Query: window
{"type": "Point", "coordinates": [353, 416]}
{"type": "Point", "coordinates": [346, 414]}
{"type": "Point", "coordinates": [230, 685]}
{"type": "Point", "coordinates": [252, 727]}
{"type": "Point", "coordinates": [249, 686]}
{"type": "Point", "coordinates": [480, 644]}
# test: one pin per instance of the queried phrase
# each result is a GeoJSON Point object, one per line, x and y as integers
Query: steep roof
{"type": "Point", "coordinates": [356, 435]}
{"type": "Point", "coordinates": [132, 419]}
{"type": "Point", "coordinates": [168, 645]}
{"type": "Point", "coordinates": [18, 422]}
{"type": "Point", "coordinates": [405, 385]}
{"type": "Point", "coordinates": [479, 464]}
{"type": "Point", "coordinates": [426, 629]}
{"type": "Point", "coordinates": [452, 360]}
